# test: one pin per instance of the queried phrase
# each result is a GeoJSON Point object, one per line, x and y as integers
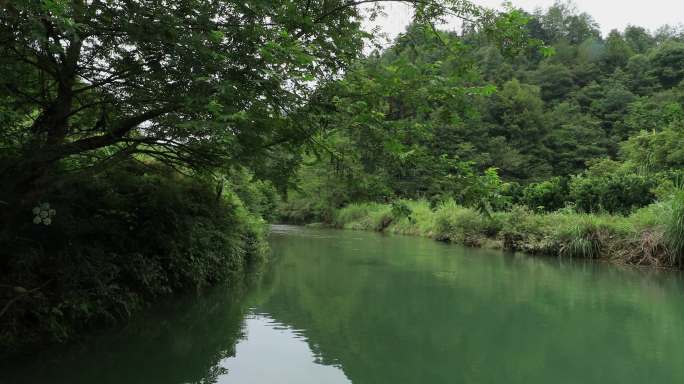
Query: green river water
{"type": "Point", "coordinates": [357, 307]}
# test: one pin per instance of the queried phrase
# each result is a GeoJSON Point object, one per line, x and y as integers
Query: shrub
{"type": "Point", "coordinates": [302, 211]}
{"type": "Point", "coordinates": [117, 242]}
{"type": "Point", "coordinates": [401, 210]}
{"type": "Point", "coordinates": [549, 195]}
{"type": "Point", "coordinates": [614, 193]}
{"type": "Point", "coordinates": [487, 193]}
{"type": "Point", "coordinates": [590, 236]}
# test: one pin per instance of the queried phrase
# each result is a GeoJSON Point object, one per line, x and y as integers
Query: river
{"type": "Point", "coordinates": [357, 307]}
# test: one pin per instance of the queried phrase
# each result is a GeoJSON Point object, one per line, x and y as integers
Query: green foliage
{"type": "Point", "coordinates": [555, 80]}
{"type": "Point", "coordinates": [400, 210]}
{"type": "Point", "coordinates": [117, 242]}
{"type": "Point", "coordinates": [420, 222]}
{"type": "Point", "coordinates": [457, 224]}
{"type": "Point", "coordinates": [657, 150]}
{"type": "Point", "coordinates": [674, 228]}
{"type": "Point", "coordinates": [617, 51]}
{"type": "Point", "coordinates": [582, 240]}
{"type": "Point", "coordinates": [575, 139]}
{"type": "Point", "coordinates": [641, 79]}
{"type": "Point", "coordinates": [639, 39]}
{"type": "Point", "coordinates": [366, 216]}
{"type": "Point", "coordinates": [421, 120]}
{"type": "Point", "coordinates": [590, 131]}
{"type": "Point", "coordinates": [453, 128]}
{"type": "Point", "coordinates": [488, 193]}
{"type": "Point", "coordinates": [140, 71]}
{"type": "Point", "coordinates": [667, 61]}
{"type": "Point", "coordinates": [608, 186]}
{"type": "Point", "coordinates": [548, 195]}
{"type": "Point", "coordinates": [260, 197]}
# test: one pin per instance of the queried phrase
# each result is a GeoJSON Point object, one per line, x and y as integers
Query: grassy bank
{"type": "Point", "coordinates": [652, 236]}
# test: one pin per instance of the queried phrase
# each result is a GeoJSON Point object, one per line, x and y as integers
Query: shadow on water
{"type": "Point", "coordinates": [340, 307]}
{"type": "Point", "coordinates": [182, 340]}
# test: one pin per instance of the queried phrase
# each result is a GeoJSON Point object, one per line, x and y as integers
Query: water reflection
{"type": "Point", "coordinates": [274, 353]}
{"type": "Point", "coordinates": [182, 341]}
{"type": "Point", "coordinates": [340, 307]}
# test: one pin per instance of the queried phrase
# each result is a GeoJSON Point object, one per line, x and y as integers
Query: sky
{"type": "Point", "coordinates": [610, 14]}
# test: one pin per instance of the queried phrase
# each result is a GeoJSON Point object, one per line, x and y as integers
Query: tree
{"type": "Point", "coordinates": [562, 22]}
{"type": "Point", "coordinates": [668, 63]}
{"type": "Point", "coordinates": [617, 51]}
{"type": "Point", "coordinates": [640, 76]}
{"type": "Point", "coordinates": [656, 112]}
{"type": "Point", "coordinates": [638, 39]}
{"type": "Point", "coordinates": [192, 83]}
{"type": "Point", "coordinates": [574, 139]}
{"type": "Point", "coordinates": [657, 151]}
{"type": "Point", "coordinates": [554, 21]}
{"type": "Point", "coordinates": [555, 81]}
{"type": "Point", "coordinates": [582, 27]}
{"type": "Point", "coordinates": [516, 114]}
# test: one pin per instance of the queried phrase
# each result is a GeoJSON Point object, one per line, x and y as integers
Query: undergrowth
{"type": "Point", "coordinates": [116, 242]}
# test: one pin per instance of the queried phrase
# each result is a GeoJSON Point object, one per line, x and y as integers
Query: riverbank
{"type": "Point", "coordinates": [651, 236]}
{"type": "Point", "coordinates": [104, 248]}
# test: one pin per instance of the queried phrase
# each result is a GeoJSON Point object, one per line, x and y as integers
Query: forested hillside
{"type": "Point", "coordinates": [592, 122]}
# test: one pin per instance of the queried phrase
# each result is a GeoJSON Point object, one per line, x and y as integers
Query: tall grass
{"type": "Point", "coordinates": [653, 235]}
{"type": "Point", "coordinates": [458, 224]}
{"type": "Point", "coordinates": [419, 222]}
{"type": "Point", "coordinates": [674, 229]}
{"type": "Point", "coordinates": [363, 216]}
{"type": "Point", "coordinates": [582, 240]}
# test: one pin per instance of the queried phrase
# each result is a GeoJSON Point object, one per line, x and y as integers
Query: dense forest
{"type": "Point", "coordinates": [596, 125]}
{"type": "Point", "coordinates": [145, 145]}
{"type": "Point", "coordinates": [568, 146]}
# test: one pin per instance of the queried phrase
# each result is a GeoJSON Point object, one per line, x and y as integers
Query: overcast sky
{"type": "Point", "coordinates": [610, 14]}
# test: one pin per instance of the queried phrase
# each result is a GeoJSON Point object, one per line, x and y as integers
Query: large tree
{"type": "Point", "coordinates": [86, 83]}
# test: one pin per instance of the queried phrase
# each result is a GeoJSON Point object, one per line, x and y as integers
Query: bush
{"type": "Point", "coordinates": [549, 195]}
{"type": "Point", "coordinates": [620, 191]}
{"type": "Point", "coordinates": [116, 242]}
{"type": "Point", "coordinates": [401, 210]}
{"type": "Point", "coordinates": [653, 235]}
